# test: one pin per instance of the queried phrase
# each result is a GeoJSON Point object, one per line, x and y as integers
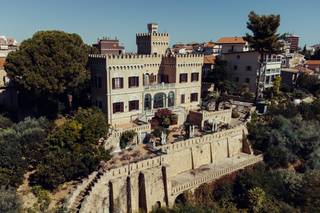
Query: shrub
{"type": "Point", "coordinates": [126, 138]}
{"type": "Point", "coordinates": [235, 114]}
{"type": "Point", "coordinates": [9, 200]}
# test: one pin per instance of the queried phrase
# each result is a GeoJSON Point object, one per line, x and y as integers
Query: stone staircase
{"type": "Point", "coordinates": [76, 205]}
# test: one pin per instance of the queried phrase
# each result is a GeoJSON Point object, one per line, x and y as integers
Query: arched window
{"type": "Point", "coordinates": [147, 102]}
{"type": "Point", "coordinates": [146, 79]}
{"type": "Point", "coordinates": [159, 100]}
{"type": "Point", "coordinates": [171, 99]}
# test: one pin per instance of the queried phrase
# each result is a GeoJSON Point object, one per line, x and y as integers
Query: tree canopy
{"type": "Point", "coordinates": [51, 62]}
{"type": "Point", "coordinates": [264, 37]}
{"type": "Point", "coordinates": [47, 68]}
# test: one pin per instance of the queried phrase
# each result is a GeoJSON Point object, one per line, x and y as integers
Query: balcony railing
{"type": "Point", "coordinates": [162, 86]}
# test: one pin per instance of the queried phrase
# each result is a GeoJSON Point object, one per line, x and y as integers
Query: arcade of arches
{"type": "Point", "coordinates": [159, 100]}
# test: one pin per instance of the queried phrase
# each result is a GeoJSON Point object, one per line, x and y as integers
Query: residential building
{"type": "Point", "coordinates": [7, 45]}
{"type": "Point", "coordinates": [313, 65]}
{"type": "Point", "coordinates": [243, 69]}
{"type": "Point", "coordinates": [128, 87]}
{"type": "Point", "coordinates": [293, 41]}
{"type": "Point", "coordinates": [8, 95]}
{"type": "Point", "coordinates": [208, 65]}
{"type": "Point", "coordinates": [292, 60]}
{"type": "Point", "coordinates": [109, 46]}
{"type": "Point", "coordinates": [289, 76]}
{"type": "Point", "coordinates": [230, 45]}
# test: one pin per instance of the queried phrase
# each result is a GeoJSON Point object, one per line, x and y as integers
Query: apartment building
{"type": "Point", "coordinates": [243, 68]}
{"type": "Point", "coordinates": [230, 45]}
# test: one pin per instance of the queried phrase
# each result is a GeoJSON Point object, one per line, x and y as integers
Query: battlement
{"type": "Point", "coordinates": [134, 56]}
{"type": "Point", "coordinates": [97, 56]}
{"type": "Point", "coordinates": [201, 140]}
{"type": "Point", "coordinates": [141, 35]}
{"type": "Point", "coordinates": [193, 55]}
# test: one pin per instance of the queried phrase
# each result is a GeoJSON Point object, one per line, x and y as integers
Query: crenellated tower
{"type": "Point", "coordinates": [152, 42]}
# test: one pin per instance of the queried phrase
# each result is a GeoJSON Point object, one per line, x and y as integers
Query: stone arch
{"type": "Point", "coordinates": [147, 102]}
{"type": "Point", "coordinates": [181, 199]}
{"type": "Point", "coordinates": [171, 98]}
{"type": "Point", "coordinates": [111, 202]}
{"type": "Point", "coordinates": [159, 100]}
{"type": "Point", "coordinates": [146, 79]}
{"type": "Point", "coordinates": [157, 205]}
{"type": "Point", "coordinates": [142, 193]}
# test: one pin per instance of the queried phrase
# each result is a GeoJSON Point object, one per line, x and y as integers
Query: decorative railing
{"type": "Point", "coordinates": [162, 86]}
{"type": "Point", "coordinates": [214, 175]}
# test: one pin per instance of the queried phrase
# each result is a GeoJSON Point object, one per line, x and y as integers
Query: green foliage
{"type": "Point", "coordinates": [276, 86]}
{"type": "Point", "coordinates": [257, 199]}
{"type": "Point", "coordinates": [72, 149]}
{"type": "Point", "coordinates": [311, 191]}
{"type": "Point", "coordinates": [165, 117]}
{"type": "Point", "coordinates": [51, 62]}
{"type": "Point", "coordinates": [126, 138]}
{"type": "Point", "coordinates": [5, 122]}
{"type": "Point", "coordinates": [9, 200]}
{"type": "Point", "coordinates": [309, 83]}
{"type": "Point", "coordinates": [48, 67]}
{"type": "Point", "coordinates": [264, 37]}
{"type": "Point", "coordinates": [43, 199]}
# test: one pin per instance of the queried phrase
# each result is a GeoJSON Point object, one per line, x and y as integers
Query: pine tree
{"type": "Point", "coordinates": [264, 39]}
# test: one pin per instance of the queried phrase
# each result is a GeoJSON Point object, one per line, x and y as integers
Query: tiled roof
{"type": "Point", "coordinates": [231, 40]}
{"type": "Point", "coordinates": [313, 62]}
{"type": "Point", "coordinates": [209, 59]}
{"type": "Point", "coordinates": [209, 44]}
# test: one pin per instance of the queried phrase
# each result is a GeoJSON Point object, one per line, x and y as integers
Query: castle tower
{"type": "Point", "coordinates": [152, 42]}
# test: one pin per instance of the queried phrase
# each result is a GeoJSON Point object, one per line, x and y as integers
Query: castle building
{"type": "Point", "coordinates": [152, 42]}
{"type": "Point", "coordinates": [129, 87]}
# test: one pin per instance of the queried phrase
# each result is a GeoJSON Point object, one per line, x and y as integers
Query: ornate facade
{"type": "Point", "coordinates": [132, 86]}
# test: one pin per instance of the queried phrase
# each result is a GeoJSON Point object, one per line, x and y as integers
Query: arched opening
{"type": "Point", "coordinates": [159, 100]}
{"type": "Point", "coordinates": [129, 194]}
{"type": "Point", "coordinates": [157, 205]}
{"type": "Point", "coordinates": [111, 204]}
{"type": "Point", "coordinates": [146, 79]}
{"type": "Point", "coordinates": [142, 193]}
{"type": "Point", "coordinates": [180, 199]}
{"type": "Point", "coordinates": [171, 99]}
{"type": "Point", "coordinates": [147, 102]}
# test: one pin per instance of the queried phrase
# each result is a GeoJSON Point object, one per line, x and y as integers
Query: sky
{"type": "Point", "coordinates": [184, 20]}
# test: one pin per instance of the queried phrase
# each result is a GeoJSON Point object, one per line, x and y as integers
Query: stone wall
{"type": "Point", "coordinates": [146, 183]}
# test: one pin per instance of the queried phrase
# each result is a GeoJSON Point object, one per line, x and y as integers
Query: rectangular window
{"type": "Point", "coordinates": [99, 82]}
{"type": "Point", "coordinates": [134, 105]}
{"type": "Point", "coordinates": [249, 68]}
{"type": "Point", "coordinates": [194, 97]}
{"type": "Point", "coordinates": [235, 67]}
{"type": "Point", "coordinates": [133, 81]}
{"type": "Point", "coordinates": [183, 77]}
{"type": "Point", "coordinates": [194, 76]}
{"type": "Point", "coordinates": [117, 83]}
{"type": "Point", "coordinates": [247, 80]}
{"type": "Point", "coordinates": [182, 99]}
{"type": "Point", "coordinates": [117, 107]}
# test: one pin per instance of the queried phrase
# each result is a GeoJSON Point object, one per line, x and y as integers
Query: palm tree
{"type": "Point", "coordinates": [264, 39]}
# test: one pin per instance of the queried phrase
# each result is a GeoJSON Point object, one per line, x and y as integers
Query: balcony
{"type": "Point", "coordinates": [162, 86]}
